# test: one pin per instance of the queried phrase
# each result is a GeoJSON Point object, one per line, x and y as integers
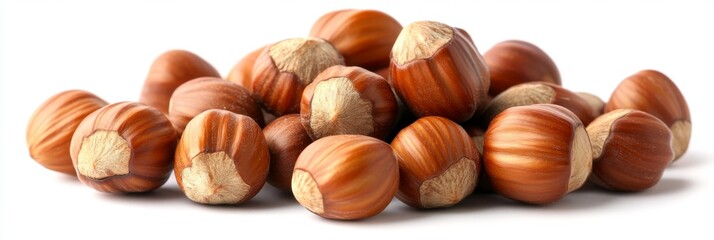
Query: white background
{"type": "Point", "coordinates": [107, 48]}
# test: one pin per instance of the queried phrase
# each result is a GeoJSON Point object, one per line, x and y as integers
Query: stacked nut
{"type": "Point", "coordinates": [312, 116]}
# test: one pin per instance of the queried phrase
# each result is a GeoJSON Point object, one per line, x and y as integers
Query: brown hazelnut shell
{"type": "Point", "coordinates": [201, 94]}
{"type": "Point", "coordinates": [346, 177]}
{"type": "Point", "coordinates": [286, 139]}
{"type": "Point", "coordinates": [50, 129]}
{"type": "Point", "coordinates": [284, 69]}
{"type": "Point", "coordinates": [536, 153]}
{"type": "Point", "coordinates": [168, 72]}
{"type": "Point", "coordinates": [539, 93]}
{"type": "Point", "coordinates": [149, 138]}
{"type": "Point", "coordinates": [514, 62]}
{"type": "Point", "coordinates": [631, 150]}
{"type": "Point", "coordinates": [653, 92]}
{"type": "Point", "coordinates": [363, 37]}
{"type": "Point", "coordinates": [438, 79]}
{"type": "Point", "coordinates": [438, 163]}
{"type": "Point", "coordinates": [363, 103]}
{"type": "Point", "coordinates": [229, 147]}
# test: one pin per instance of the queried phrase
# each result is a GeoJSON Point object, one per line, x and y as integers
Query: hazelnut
{"type": "Point", "coordinates": [124, 147]}
{"type": "Point", "coordinates": [242, 72]}
{"type": "Point", "coordinates": [50, 129]}
{"type": "Point", "coordinates": [652, 92]}
{"type": "Point", "coordinates": [438, 163]}
{"type": "Point", "coordinates": [168, 72]}
{"type": "Point", "coordinates": [201, 94]}
{"type": "Point", "coordinates": [348, 100]}
{"type": "Point", "coordinates": [283, 69]}
{"type": "Point", "coordinates": [286, 139]}
{"type": "Point", "coordinates": [537, 153]}
{"type": "Point", "coordinates": [535, 93]}
{"type": "Point", "coordinates": [346, 177]}
{"type": "Point", "coordinates": [631, 149]}
{"type": "Point", "coordinates": [514, 62]}
{"type": "Point", "coordinates": [222, 158]}
{"type": "Point", "coordinates": [363, 37]}
{"type": "Point", "coordinates": [595, 102]}
{"type": "Point", "coordinates": [437, 71]}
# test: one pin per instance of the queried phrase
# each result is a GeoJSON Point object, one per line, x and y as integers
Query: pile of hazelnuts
{"type": "Point", "coordinates": [361, 111]}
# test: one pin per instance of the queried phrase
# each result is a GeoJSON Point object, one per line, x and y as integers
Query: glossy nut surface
{"type": "Point", "coordinates": [438, 163]}
{"type": "Point", "coordinates": [286, 139]}
{"type": "Point", "coordinates": [631, 150]}
{"type": "Point", "coordinates": [653, 92]}
{"type": "Point", "coordinates": [50, 129]}
{"type": "Point", "coordinates": [437, 71]}
{"type": "Point", "coordinates": [201, 94]}
{"type": "Point", "coordinates": [168, 72]}
{"type": "Point", "coordinates": [222, 158]}
{"type": "Point", "coordinates": [348, 100]}
{"type": "Point", "coordinates": [363, 37]}
{"type": "Point", "coordinates": [514, 62]}
{"type": "Point", "coordinates": [124, 147]}
{"type": "Point", "coordinates": [346, 177]}
{"type": "Point", "coordinates": [283, 69]}
{"type": "Point", "coordinates": [537, 153]}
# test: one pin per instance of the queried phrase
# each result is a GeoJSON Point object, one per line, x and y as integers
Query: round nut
{"type": "Point", "coordinates": [363, 37]}
{"type": "Point", "coordinates": [652, 92]}
{"type": "Point", "coordinates": [514, 62]}
{"type": "Point", "coordinates": [346, 177]}
{"type": "Point", "coordinates": [201, 94]}
{"type": "Point", "coordinates": [168, 72]}
{"type": "Point", "coordinates": [437, 71]}
{"type": "Point", "coordinates": [222, 158]}
{"type": "Point", "coordinates": [286, 139]}
{"type": "Point", "coordinates": [283, 69]}
{"type": "Point", "coordinates": [348, 100]}
{"type": "Point", "coordinates": [124, 147]}
{"type": "Point", "coordinates": [50, 129]}
{"type": "Point", "coordinates": [438, 163]}
{"type": "Point", "coordinates": [537, 153]}
{"type": "Point", "coordinates": [631, 149]}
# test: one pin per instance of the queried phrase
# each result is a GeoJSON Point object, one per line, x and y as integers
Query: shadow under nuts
{"type": "Point", "coordinates": [124, 147]}
{"type": "Point", "coordinates": [438, 163]}
{"type": "Point", "coordinates": [631, 150]}
{"type": "Point", "coordinates": [437, 71]}
{"type": "Point", "coordinates": [346, 177]}
{"type": "Point", "coordinates": [50, 129]}
{"type": "Point", "coordinates": [348, 100]}
{"type": "Point", "coordinates": [222, 158]}
{"type": "Point", "coordinates": [537, 153]}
